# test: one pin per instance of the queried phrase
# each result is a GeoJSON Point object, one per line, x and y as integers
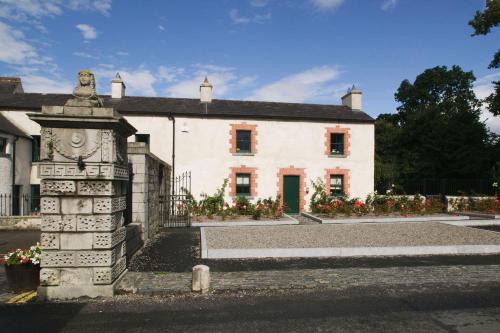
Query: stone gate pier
{"type": "Point", "coordinates": [84, 174]}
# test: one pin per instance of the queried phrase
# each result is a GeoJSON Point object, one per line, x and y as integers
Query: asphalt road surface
{"type": "Point", "coordinates": [426, 308]}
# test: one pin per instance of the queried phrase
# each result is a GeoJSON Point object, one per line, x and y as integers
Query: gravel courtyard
{"type": "Point", "coordinates": [337, 236]}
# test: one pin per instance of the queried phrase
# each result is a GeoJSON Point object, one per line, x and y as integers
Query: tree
{"type": "Point", "coordinates": [437, 131]}
{"type": "Point", "coordinates": [482, 24]}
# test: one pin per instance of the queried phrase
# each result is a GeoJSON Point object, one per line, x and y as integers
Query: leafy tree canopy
{"type": "Point", "coordinates": [482, 24]}
{"type": "Point", "coordinates": [437, 131]}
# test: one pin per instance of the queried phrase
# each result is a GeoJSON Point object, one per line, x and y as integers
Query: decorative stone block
{"type": "Point", "coordinates": [58, 223]}
{"type": "Point", "coordinates": [49, 205]}
{"type": "Point", "coordinates": [50, 241]}
{"type": "Point", "coordinates": [107, 275]}
{"type": "Point", "coordinates": [109, 240]}
{"type": "Point", "coordinates": [109, 205]}
{"type": "Point", "coordinates": [58, 259]}
{"type": "Point", "coordinates": [76, 205]}
{"type": "Point", "coordinates": [99, 258]}
{"type": "Point", "coordinates": [96, 187]}
{"type": "Point", "coordinates": [54, 187]}
{"type": "Point", "coordinates": [76, 277]}
{"type": "Point", "coordinates": [76, 241]}
{"type": "Point", "coordinates": [71, 170]}
{"type": "Point", "coordinates": [49, 277]}
{"type": "Point", "coordinates": [100, 222]}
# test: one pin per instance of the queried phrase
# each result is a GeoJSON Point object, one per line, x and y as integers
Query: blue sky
{"type": "Point", "coordinates": [279, 50]}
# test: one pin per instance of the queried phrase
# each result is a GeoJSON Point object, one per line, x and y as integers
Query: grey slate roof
{"type": "Point", "coordinates": [185, 107]}
{"type": "Point", "coordinates": [6, 126]}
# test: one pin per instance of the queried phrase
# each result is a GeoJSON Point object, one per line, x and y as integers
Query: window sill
{"type": "Point", "coordinates": [249, 197]}
{"type": "Point", "coordinates": [243, 154]}
{"type": "Point", "coordinates": [337, 156]}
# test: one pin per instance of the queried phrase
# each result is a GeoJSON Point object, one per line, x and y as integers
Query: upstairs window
{"type": "Point", "coordinates": [35, 148]}
{"type": "Point", "coordinates": [3, 146]}
{"type": "Point", "coordinates": [336, 185]}
{"type": "Point", "coordinates": [142, 138]}
{"type": "Point", "coordinates": [243, 141]}
{"type": "Point", "coordinates": [243, 184]}
{"type": "Point", "coordinates": [336, 144]}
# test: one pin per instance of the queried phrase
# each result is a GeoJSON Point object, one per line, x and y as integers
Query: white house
{"type": "Point", "coordinates": [263, 148]}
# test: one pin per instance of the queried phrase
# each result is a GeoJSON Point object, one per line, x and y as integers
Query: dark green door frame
{"type": "Point", "coordinates": [291, 193]}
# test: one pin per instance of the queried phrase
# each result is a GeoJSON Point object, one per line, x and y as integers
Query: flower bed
{"type": "Point", "coordinates": [489, 205]}
{"type": "Point", "coordinates": [215, 208]}
{"type": "Point", "coordinates": [375, 205]}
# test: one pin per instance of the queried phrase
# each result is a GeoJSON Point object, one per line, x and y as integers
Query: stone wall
{"type": "Point", "coordinates": [150, 185]}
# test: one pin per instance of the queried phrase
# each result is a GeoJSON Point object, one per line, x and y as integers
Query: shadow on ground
{"type": "Point", "coordinates": [178, 250]}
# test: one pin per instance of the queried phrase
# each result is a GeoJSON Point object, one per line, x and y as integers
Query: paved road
{"type": "Point", "coordinates": [17, 239]}
{"type": "Point", "coordinates": [424, 308]}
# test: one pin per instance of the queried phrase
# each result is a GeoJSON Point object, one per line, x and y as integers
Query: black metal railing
{"type": "Point", "coordinates": [175, 205]}
{"type": "Point", "coordinates": [19, 205]}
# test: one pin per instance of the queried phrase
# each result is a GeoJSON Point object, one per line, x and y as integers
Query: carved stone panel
{"type": "Point", "coordinates": [96, 258]}
{"type": "Point", "coordinates": [107, 275]}
{"type": "Point", "coordinates": [108, 240]}
{"type": "Point", "coordinates": [96, 187]}
{"type": "Point", "coordinates": [109, 205]}
{"type": "Point", "coordinates": [50, 241]}
{"type": "Point", "coordinates": [100, 222]}
{"type": "Point", "coordinates": [58, 259]}
{"type": "Point", "coordinates": [57, 187]}
{"type": "Point", "coordinates": [71, 170]}
{"type": "Point", "coordinates": [73, 144]}
{"type": "Point", "coordinates": [49, 205]}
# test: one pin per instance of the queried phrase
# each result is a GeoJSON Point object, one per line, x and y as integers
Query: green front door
{"type": "Point", "coordinates": [291, 194]}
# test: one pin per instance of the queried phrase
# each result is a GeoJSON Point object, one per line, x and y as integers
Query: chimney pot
{"type": "Point", "coordinates": [206, 91]}
{"type": "Point", "coordinates": [352, 99]}
{"type": "Point", "coordinates": [117, 87]}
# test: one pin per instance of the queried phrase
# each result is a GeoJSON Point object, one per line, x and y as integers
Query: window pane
{"type": "Point", "coordinates": [242, 184]}
{"type": "Point", "coordinates": [35, 148]}
{"type": "Point", "coordinates": [243, 141]}
{"type": "Point", "coordinates": [142, 138]}
{"type": "Point", "coordinates": [336, 185]}
{"type": "Point", "coordinates": [337, 144]}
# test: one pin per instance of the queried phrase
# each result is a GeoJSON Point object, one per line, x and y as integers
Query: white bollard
{"type": "Point", "coordinates": [201, 278]}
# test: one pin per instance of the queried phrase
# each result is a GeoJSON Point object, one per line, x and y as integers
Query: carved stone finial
{"type": "Point", "coordinates": [85, 91]}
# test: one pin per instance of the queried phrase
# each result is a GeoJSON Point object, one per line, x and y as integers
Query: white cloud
{"type": "Point", "coordinates": [14, 49]}
{"type": "Point", "coordinates": [222, 78]}
{"type": "Point", "coordinates": [162, 28]}
{"type": "Point", "coordinates": [88, 31]}
{"type": "Point", "coordinates": [259, 3]}
{"type": "Point", "coordinates": [311, 85]}
{"type": "Point", "coordinates": [257, 18]}
{"type": "Point", "coordinates": [483, 87]}
{"type": "Point", "coordinates": [389, 4]}
{"type": "Point", "coordinates": [43, 84]}
{"type": "Point", "coordinates": [139, 81]}
{"type": "Point", "coordinates": [169, 74]}
{"type": "Point", "coordinates": [27, 10]}
{"type": "Point", "coordinates": [327, 4]}
{"type": "Point", "coordinates": [122, 53]}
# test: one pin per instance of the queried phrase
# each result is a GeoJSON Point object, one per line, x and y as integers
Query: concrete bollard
{"type": "Point", "coordinates": [201, 278]}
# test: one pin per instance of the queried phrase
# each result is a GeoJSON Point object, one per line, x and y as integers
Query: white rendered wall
{"type": "Point", "coordinates": [204, 151]}
{"type": "Point", "coordinates": [6, 167]}
{"type": "Point", "coordinates": [23, 164]}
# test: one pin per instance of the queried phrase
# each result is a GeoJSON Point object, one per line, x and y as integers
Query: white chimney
{"type": "Point", "coordinates": [117, 87]}
{"type": "Point", "coordinates": [352, 99]}
{"type": "Point", "coordinates": [206, 91]}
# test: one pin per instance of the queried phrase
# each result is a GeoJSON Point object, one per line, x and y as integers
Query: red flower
{"type": "Point", "coordinates": [358, 204]}
{"type": "Point", "coordinates": [25, 260]}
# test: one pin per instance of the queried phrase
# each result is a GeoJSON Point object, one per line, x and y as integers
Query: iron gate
{"type": "Point", "coordinates": [176, 205]}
